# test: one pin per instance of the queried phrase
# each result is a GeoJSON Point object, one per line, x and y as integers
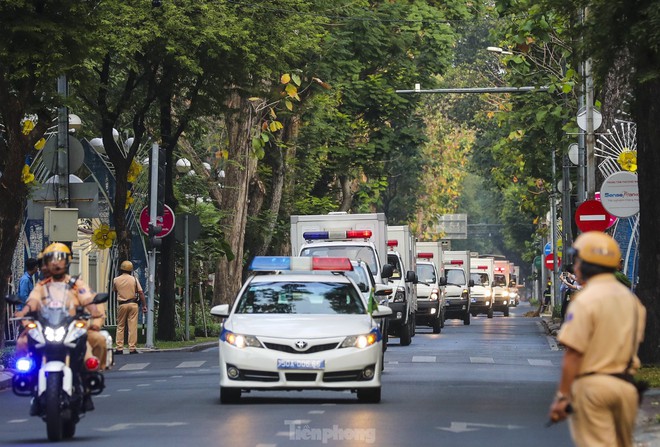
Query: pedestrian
{"type": "Point", "coordinates": [129, 293]}
{"type": "Point", "coordinates": [26, 283]}
{"type": "Point", "coordinates": [44, 273]}
{"type": "Point", "coordinates": [569, 286]}
{"type": "Point", "coordinates": [603, 329]}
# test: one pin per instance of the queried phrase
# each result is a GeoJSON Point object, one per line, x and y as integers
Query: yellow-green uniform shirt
{"type": "Point", "coordinates": [126, 286]}
{"type": "Point", "coordinates": [599, 324]}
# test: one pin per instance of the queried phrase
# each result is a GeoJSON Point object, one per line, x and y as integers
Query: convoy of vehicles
{"type": "Point", "coordinates": [457, 290]}
{"type": "Point", "coordinates": [401, 256]}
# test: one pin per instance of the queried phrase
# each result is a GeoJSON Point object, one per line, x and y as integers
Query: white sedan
{"type": "Point", "coordinates": [290, 330]}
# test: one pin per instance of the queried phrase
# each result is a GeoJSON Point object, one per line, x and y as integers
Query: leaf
{"type": "Point", "coordinates": [288, 104]}
{"type": "Point", "coordinates": [285, 79]}
{"type": "Point", "coordinates": [567, 88]}
{"type": "Point", "coordinates": [272, 113]}
{"type": "Point", "coordinates": [273, 127]}
{"type": "Point", "coordinates": [254, 98]}
{"type": "Point", "coordinates": [256, 143]}
{"type": "Point", "coordinates": [265, 138]}
{"type": "Point", "coordinates": [296, 79]}
{"type": "Point", "coordinates": [291, 90]}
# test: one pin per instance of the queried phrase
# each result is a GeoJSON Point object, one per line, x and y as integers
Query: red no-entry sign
{"type": "Point", "coordinates": [591, 215]}
{"type": "Point", "coordinates": [550, 261]}
{"type": "Point", "coordinates": [166, 221]}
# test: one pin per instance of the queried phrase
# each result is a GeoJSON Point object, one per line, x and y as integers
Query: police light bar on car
{"type": "Point", "coordinates": [499, 269]}
{"type": "Point", "coordinates": [336, 235]}
{"type": "Point", "coordinates": [287, 263]}
{"type": "Point", "coordinates": [425, 255]}
{"type": "Point", "coordinates": [392, 243]}
{"type": "Point", "coordinates": [456, 262]}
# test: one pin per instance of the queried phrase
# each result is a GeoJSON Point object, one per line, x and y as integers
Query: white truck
{"type": "Point", "coordinates": [501, 277]}
{"type": "Point", "coordinates": [481, 295]}
{"type": "Point", "coordinates": [457, 290]}
{"type": "Point", "coordinates": [401, 256]}
{"type": "Point", "coordinates": [430, 286]}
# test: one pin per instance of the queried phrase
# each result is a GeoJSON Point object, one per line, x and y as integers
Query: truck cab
{"type": "Point", "coordinates": [500, 285]}
{"type": "Point", "coordinates": [481, 294]}
{"type": "Point", "coordinates": [457, 290]}
{"type": "Point", "coordinates": [403, 300]}
{"type": "Point", "coordinates": [430, 294]}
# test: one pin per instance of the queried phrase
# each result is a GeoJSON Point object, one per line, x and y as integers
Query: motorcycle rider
{"type": "Point", "coordinates": [74, 292]}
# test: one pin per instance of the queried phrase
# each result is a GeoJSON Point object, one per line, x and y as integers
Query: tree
{"type": "Point", "coordinates": [41, 41]}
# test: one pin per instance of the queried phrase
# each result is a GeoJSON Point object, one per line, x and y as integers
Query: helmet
{"type": "Point", "coordinates": [598, 248]}
{"type": "Point", "coordinates": [57, 251]}
{"type": "Point", "coordinates": [126, 266]}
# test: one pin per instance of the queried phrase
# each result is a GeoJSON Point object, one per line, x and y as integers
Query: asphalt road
{"type": "Point", "coordinates": [487, 384]}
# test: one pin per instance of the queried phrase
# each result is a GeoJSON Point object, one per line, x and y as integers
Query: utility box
{"type": "Point", "coordinates": [61, 224]}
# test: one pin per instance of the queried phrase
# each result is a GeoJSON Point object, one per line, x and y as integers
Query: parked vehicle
{"type": "Point", "coordinates": [481, 294]}
{"type": "Point", "coordinates": [430, 293]}
{"type": "Point", "coordinates": [457, 290]}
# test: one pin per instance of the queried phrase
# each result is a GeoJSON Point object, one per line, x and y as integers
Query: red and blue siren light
{"type": "Point", "coordinates": [336, 234]}
{"type": "Point", "coordinates": [392, 243]}
{"type": "Point", "coordinates": [499, 269]}
{"type": "Point", "coordinates": [291, 263]}
{"type": "Point", "coordinates": [424, 255]}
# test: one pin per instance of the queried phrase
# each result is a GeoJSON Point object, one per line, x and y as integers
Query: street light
{"type": "Point", "coordinates": [499, 50]}
{"type": "Point", "coordinates": [183, 166]}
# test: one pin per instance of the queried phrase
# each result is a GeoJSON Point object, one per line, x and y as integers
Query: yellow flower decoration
{"type": "Point", "coordinates": [28, 125]}
{"type": "Point", "coordinates": [104, 237]}
{"type": "Point", "coordinates": [26, 176]}
{"type": "Point", "coordinates": [133, 172]}
{"type": "Point", "coordinates": [129, 199]}
{"type": "Point", "coordinates": [628, 160]}
{"type": "Point", "coordinates": [40, 144]}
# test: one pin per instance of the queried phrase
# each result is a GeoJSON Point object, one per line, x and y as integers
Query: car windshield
{"type": "Point", "coordinates": [393, 260]}
{"type": "Point", "coordinates": [455, 276]}
{"type": "Point", "coordinates": [426, 273]}
{"type": "Point", "coordinates": [360, 276]}
{"type": "Point", "coordinates": [499, 280]}
{"type": "Point", "coordinates": [300, 298]}
{"type": "Point", "coordinates": [480, 279]}
{"type": "Point", "coordinates": [356, 252]}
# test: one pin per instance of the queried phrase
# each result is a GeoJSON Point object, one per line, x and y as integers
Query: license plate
{"type": "Point", "coordinates": [300, 364]}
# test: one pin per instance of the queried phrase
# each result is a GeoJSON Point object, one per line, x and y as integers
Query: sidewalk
{"type": "Point", "coordinates": [647, 428]}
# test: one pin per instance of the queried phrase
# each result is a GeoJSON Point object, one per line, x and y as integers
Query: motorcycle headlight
{"type": "Point", "coordinates": [240, 341]}
{"type": "Point", "coordinates": [55, 334]}
{"type": "Point", "coordinates": [361, 341]}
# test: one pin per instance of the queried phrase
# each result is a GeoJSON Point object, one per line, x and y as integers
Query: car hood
{"type": "Point", "coordinates": [297, 326]}
{"type": "Point", "coordinates": [454, 291]}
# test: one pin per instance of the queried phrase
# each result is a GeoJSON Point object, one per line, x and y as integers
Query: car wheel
{"type": "Point", "coordinates": [466, 319]}
{"type": "Point", "coordinates": [506, 312]}
{"type": "Point", "coordinates": [369, 395]}
{"type": "Point", "coordinates": [413, 325]}
{"type": "Point", "coordinates": [405, 335]}
{"type": "Point", "coordinates": [437, 326]}
{"type": "Point", "coordinates": [229, 395]}
{"type": "Point", "coordinates": [490, 313]}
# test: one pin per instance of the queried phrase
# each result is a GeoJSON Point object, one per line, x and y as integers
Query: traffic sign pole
{"type": "Point", "coordinates": [153, 195]}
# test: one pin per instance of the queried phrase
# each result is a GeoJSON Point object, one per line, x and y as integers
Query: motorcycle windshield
{"type": "Point", "coordinates": [54, 315]}
{"type": "Point", "coordinates": [57, 305]}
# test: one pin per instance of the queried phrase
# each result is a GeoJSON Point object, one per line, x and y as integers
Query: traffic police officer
{"type": "Point", "coordinates": [602, 331]}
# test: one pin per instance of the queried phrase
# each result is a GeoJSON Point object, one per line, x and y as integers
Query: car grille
{"type": "Point", "coordinates": [343, 376]}
{"type": "Point", "coordinates": [259, 376]}
{"type": "Point", "coordinates": [301, 377]}
{"type": "Point", "coordinates": [310, 350]}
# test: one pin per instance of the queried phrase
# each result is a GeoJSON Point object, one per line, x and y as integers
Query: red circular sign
{"type": "Point", "coordinates": [591, 215]}
{"type": "Point", "coordinates": [166, 221]}
{"type": "Point", "coordinates": [550, 261]}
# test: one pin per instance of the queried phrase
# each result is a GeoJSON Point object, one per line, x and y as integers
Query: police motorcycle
{"type": "Point", "coordinates": [54, 373]}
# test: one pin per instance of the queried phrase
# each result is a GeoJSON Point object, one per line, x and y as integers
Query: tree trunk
{"type": "Point", "coordinates": [346, 193]}
{"type": "Point", "coordinates": [647, 116]}
{"type": "Point", "coordinates": [240, 169]}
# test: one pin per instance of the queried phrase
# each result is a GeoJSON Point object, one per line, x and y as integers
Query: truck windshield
{"type": "Point", "coordinates": [499, 280]}
{"type": "Point", "coordinates": [393, 260]}
{"type": "Point", "coordinates": [426, 273]}
{"type": "Point", "coordinates": [357, 253]}
{"type": "Point", "coordinates": [455, 276]}
{"type": "Point", "coordinates": [480, 279]}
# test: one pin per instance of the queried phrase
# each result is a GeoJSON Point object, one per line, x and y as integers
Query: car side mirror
{"type": "Point", "coordinates": [221, 310]}
{"type": "Point", "coordinates": [383, 292]}
{"type": "Point", "coordinates": [471, 283]}
{"type": "Point", "coordinates": [411, 277]}
{"type": "Point", "coordinates": [387, 271]}
{"type": "Point", "coordinates": [381, 312]}
{"type": "Point", "coordinates": [443, 281]}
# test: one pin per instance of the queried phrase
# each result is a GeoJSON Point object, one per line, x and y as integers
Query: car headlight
{"type": "Point", "coordinates": [240, 341]}
{"type": "Point", "coordinates": [505, 302]}
{"type": "Point", "coordinates": [54, 334]}
{"type": "Point", "coordinates": [487, 303]}
{"type": "Point", "coordinates": [434, 295]}
{"type": "Point", "coordinates": [361, 341]}
{"type": "Point", "coordinates": [400, 295]}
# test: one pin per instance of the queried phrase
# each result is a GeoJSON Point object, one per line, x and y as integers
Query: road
{"type": "Point", "coordinates": [487, 384]}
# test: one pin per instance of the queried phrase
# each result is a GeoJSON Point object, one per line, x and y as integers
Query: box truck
{"type": "Point", "coordinates": [457, 275]}
{"type": "Point", "coordinates": [401, 256]}
{"type": "Point", "coordinates": [481, 294]}
{"type": "Point", "coordinates": [430, 286]}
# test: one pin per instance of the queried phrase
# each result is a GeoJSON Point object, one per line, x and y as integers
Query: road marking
{"type": "Point", "coordinates": [266, 445]}
{"type": "Point", "coordinates": [423, 359]}
{"type": "Point", "coordinates": [176, 377]}
{"type": "Point", "coordinates": [394, 362]}
{"type": "Point", "coordinates": [553, 343]}
{"type": "Point", "coordinates": [124, 390]}
{"type": "Point", "coordinates": [283, 433]}
{"type": "Point", "coordinates": [160, 380]}
{"type": "Point", "coordinates": [129, 425]}
{"type": "Point", "coordinates": [133, 366]}
{"type": "Point", "coordinates": [17, 421]}
{"type": "Point", "coordinates": [461, 427]}
{"type": "Point", "coordinates": [144, 384]}
{"type": "Point", "coordinates": [191, 364]}
{"type": "Point", "coordinates": [100, 396]}
{"type": "Point", "coordinates": [316, 412]}
{"type": "Point", "coordinates": [537, 362]}
{"type": "Point", "coordinates": [482, 360]}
